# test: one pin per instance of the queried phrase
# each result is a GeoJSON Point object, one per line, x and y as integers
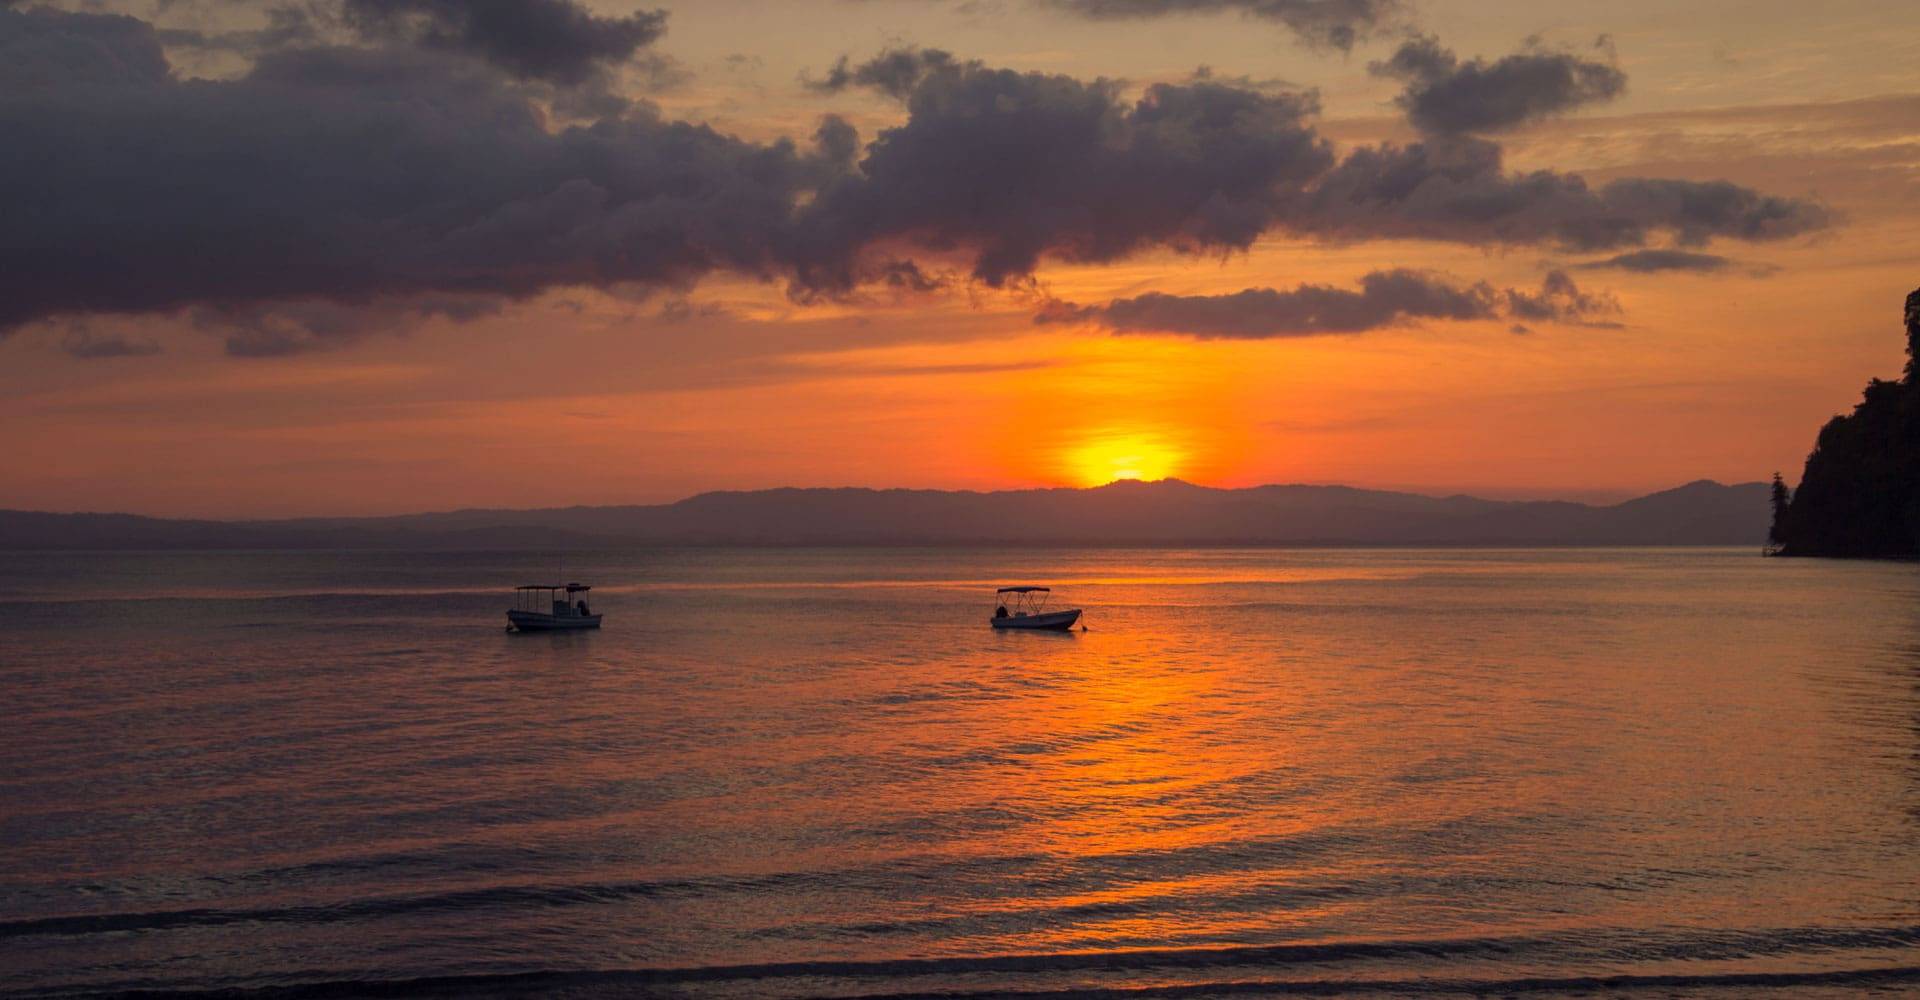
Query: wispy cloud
{"type": "Point", "coordinates": [1384, 299]}
{"type": "Point", "coordinates": [1669, 260]}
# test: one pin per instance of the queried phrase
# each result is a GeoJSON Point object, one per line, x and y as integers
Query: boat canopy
{"type": "Point", "coordinates": [571, 588]}
{"type": "Point", "coordinates": [1020, 602]}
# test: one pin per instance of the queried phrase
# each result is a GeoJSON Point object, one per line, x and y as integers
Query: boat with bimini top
{"type": "Point", "coordinates": [1026, 607]}
{"type": "Point", "coordinates": [548, 607]}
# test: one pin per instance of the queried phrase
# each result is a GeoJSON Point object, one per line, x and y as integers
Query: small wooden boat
{"type": "Point", "coordinates": [1026, 607]}
{"type": "Point", "coordinates": [542, 607]}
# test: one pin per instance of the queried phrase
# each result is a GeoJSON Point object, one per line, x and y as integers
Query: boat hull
{"type": "Point", "coordinates": [1052, 621]}
{"type": "Point", "coordinates": [534, 621]}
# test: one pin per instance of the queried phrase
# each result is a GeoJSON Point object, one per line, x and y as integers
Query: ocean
{"type": "Point", "coordinates": [1682, 772]}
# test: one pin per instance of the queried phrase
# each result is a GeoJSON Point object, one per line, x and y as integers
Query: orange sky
{"type": "Point", "coordinates": [614, 396]}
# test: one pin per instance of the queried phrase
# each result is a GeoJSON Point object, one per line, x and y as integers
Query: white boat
{"type": "Point", "coordinates": [1026, 607]}
{"type": "Point", "coordinates": [549, 607]}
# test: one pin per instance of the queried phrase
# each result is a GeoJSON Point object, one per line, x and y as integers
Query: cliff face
{"type": "Point", "coordinates": [1860, 494]}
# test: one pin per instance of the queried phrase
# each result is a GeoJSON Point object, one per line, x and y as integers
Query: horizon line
{"type": "Point", "coordinates": [1625, 496]}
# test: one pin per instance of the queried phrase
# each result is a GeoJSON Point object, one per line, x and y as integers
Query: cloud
{"type": "Point", "coordinates": [87, 345]}
{"type": "Point", "coordinates": [1661, 260]}
{"type": "Point", "coordinates": [1003, 168]}
{"type": "Point", "coordinates": [557, 41]}
{"type": "Point", "coordinates": [1558, 300]}
{"type": "Point", "coordinates": [907, 276]}
{"type": "Point", "coordinates": [1384, 299]}
{"type": "Point", "coordinates": [1017, 166]}
{"type": "Point", "coordinates": [1446, 96]}
{"type": "Point", "coordinates": [376, 177]}
{"type": "Point", "coordinates": [1456, 189]}
{"type": "Point", "coordinates": [300, 326]}
{"type": "Point", "coordinates": [683, 310]}
{"type": "Point", "coordinates": [45, 50]}
{"type": "Point", "coordinates": [357, 176]}
{"type": "Point", "coordinates": [895, 72]}
{"type": "Point", "coordinates": [1335, 23]}
{"type": "Point", "coordinates": [561, 43]}
{"type": "Point", "coordinates": [286, 26]}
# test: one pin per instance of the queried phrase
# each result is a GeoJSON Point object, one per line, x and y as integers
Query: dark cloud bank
{"type": "Point", "coordinates": [1384, 298]}
{"type": "Point", "coordinates": [333, 187]}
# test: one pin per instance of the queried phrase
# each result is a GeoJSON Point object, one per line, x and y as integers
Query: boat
{"type": "Point", "coordinates": [550, 607]}
{"type": "Point", "coordinates": [1026, 607]}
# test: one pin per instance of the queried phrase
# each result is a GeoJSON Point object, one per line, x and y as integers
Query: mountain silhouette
{"type": "Point", "coordinates": [1168, 512]}
{"type": "Point", "coordinates": [1859, 496]}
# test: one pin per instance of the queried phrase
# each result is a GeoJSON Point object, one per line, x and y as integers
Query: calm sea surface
{"type": "Point", "coordinates": [1684, 772]}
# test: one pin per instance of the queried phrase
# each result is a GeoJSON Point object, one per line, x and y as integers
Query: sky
{"type": "Point", "coordinates": [337, 257]}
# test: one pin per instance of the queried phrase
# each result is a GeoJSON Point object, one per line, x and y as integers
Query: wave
{"type": "Point", "coordinates": [511, 897]}
{"type": "Point", "coordinates": [1274, 968]}
{"type": "Point", "coordinates": [847, 979]}
{"type": "Point", "coordinates": [1599, 944]}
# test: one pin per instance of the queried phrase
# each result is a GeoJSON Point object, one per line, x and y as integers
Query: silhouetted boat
{"type": "Point", "coordinates": [542, 607]}
{"type": "Point", "coordinates": [1025, 607]}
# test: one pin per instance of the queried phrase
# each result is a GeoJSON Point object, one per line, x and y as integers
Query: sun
{"type": "Point", "coordinates": [1105, 457]}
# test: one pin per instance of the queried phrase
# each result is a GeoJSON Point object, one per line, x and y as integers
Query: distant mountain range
{"type": "Point", "coordinates": [1168, 512]}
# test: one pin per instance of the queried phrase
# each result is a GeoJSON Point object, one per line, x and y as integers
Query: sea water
{"type": "Point", "coordinates": [1693, 772]}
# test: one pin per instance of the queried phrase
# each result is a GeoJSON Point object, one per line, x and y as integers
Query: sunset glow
{"type": "Point", "coordinates": [1190, 273]}
{"type": "Point", "coordinates": [1122, 455]}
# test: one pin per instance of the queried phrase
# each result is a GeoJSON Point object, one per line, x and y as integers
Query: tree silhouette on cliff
{"type": "Point", "coordinates": [1782, 498]}
{"type": "Point", "coordinates": [1860, 494]}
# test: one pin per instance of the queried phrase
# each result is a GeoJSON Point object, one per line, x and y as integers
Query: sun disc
{"type": "Point", "coordinates": [1105, 458]}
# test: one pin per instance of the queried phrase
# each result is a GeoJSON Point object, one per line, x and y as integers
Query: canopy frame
{"type": "Point", "coordinates": [1021, 602]}
{"type": "Point", "coordinates": [526, 597]}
